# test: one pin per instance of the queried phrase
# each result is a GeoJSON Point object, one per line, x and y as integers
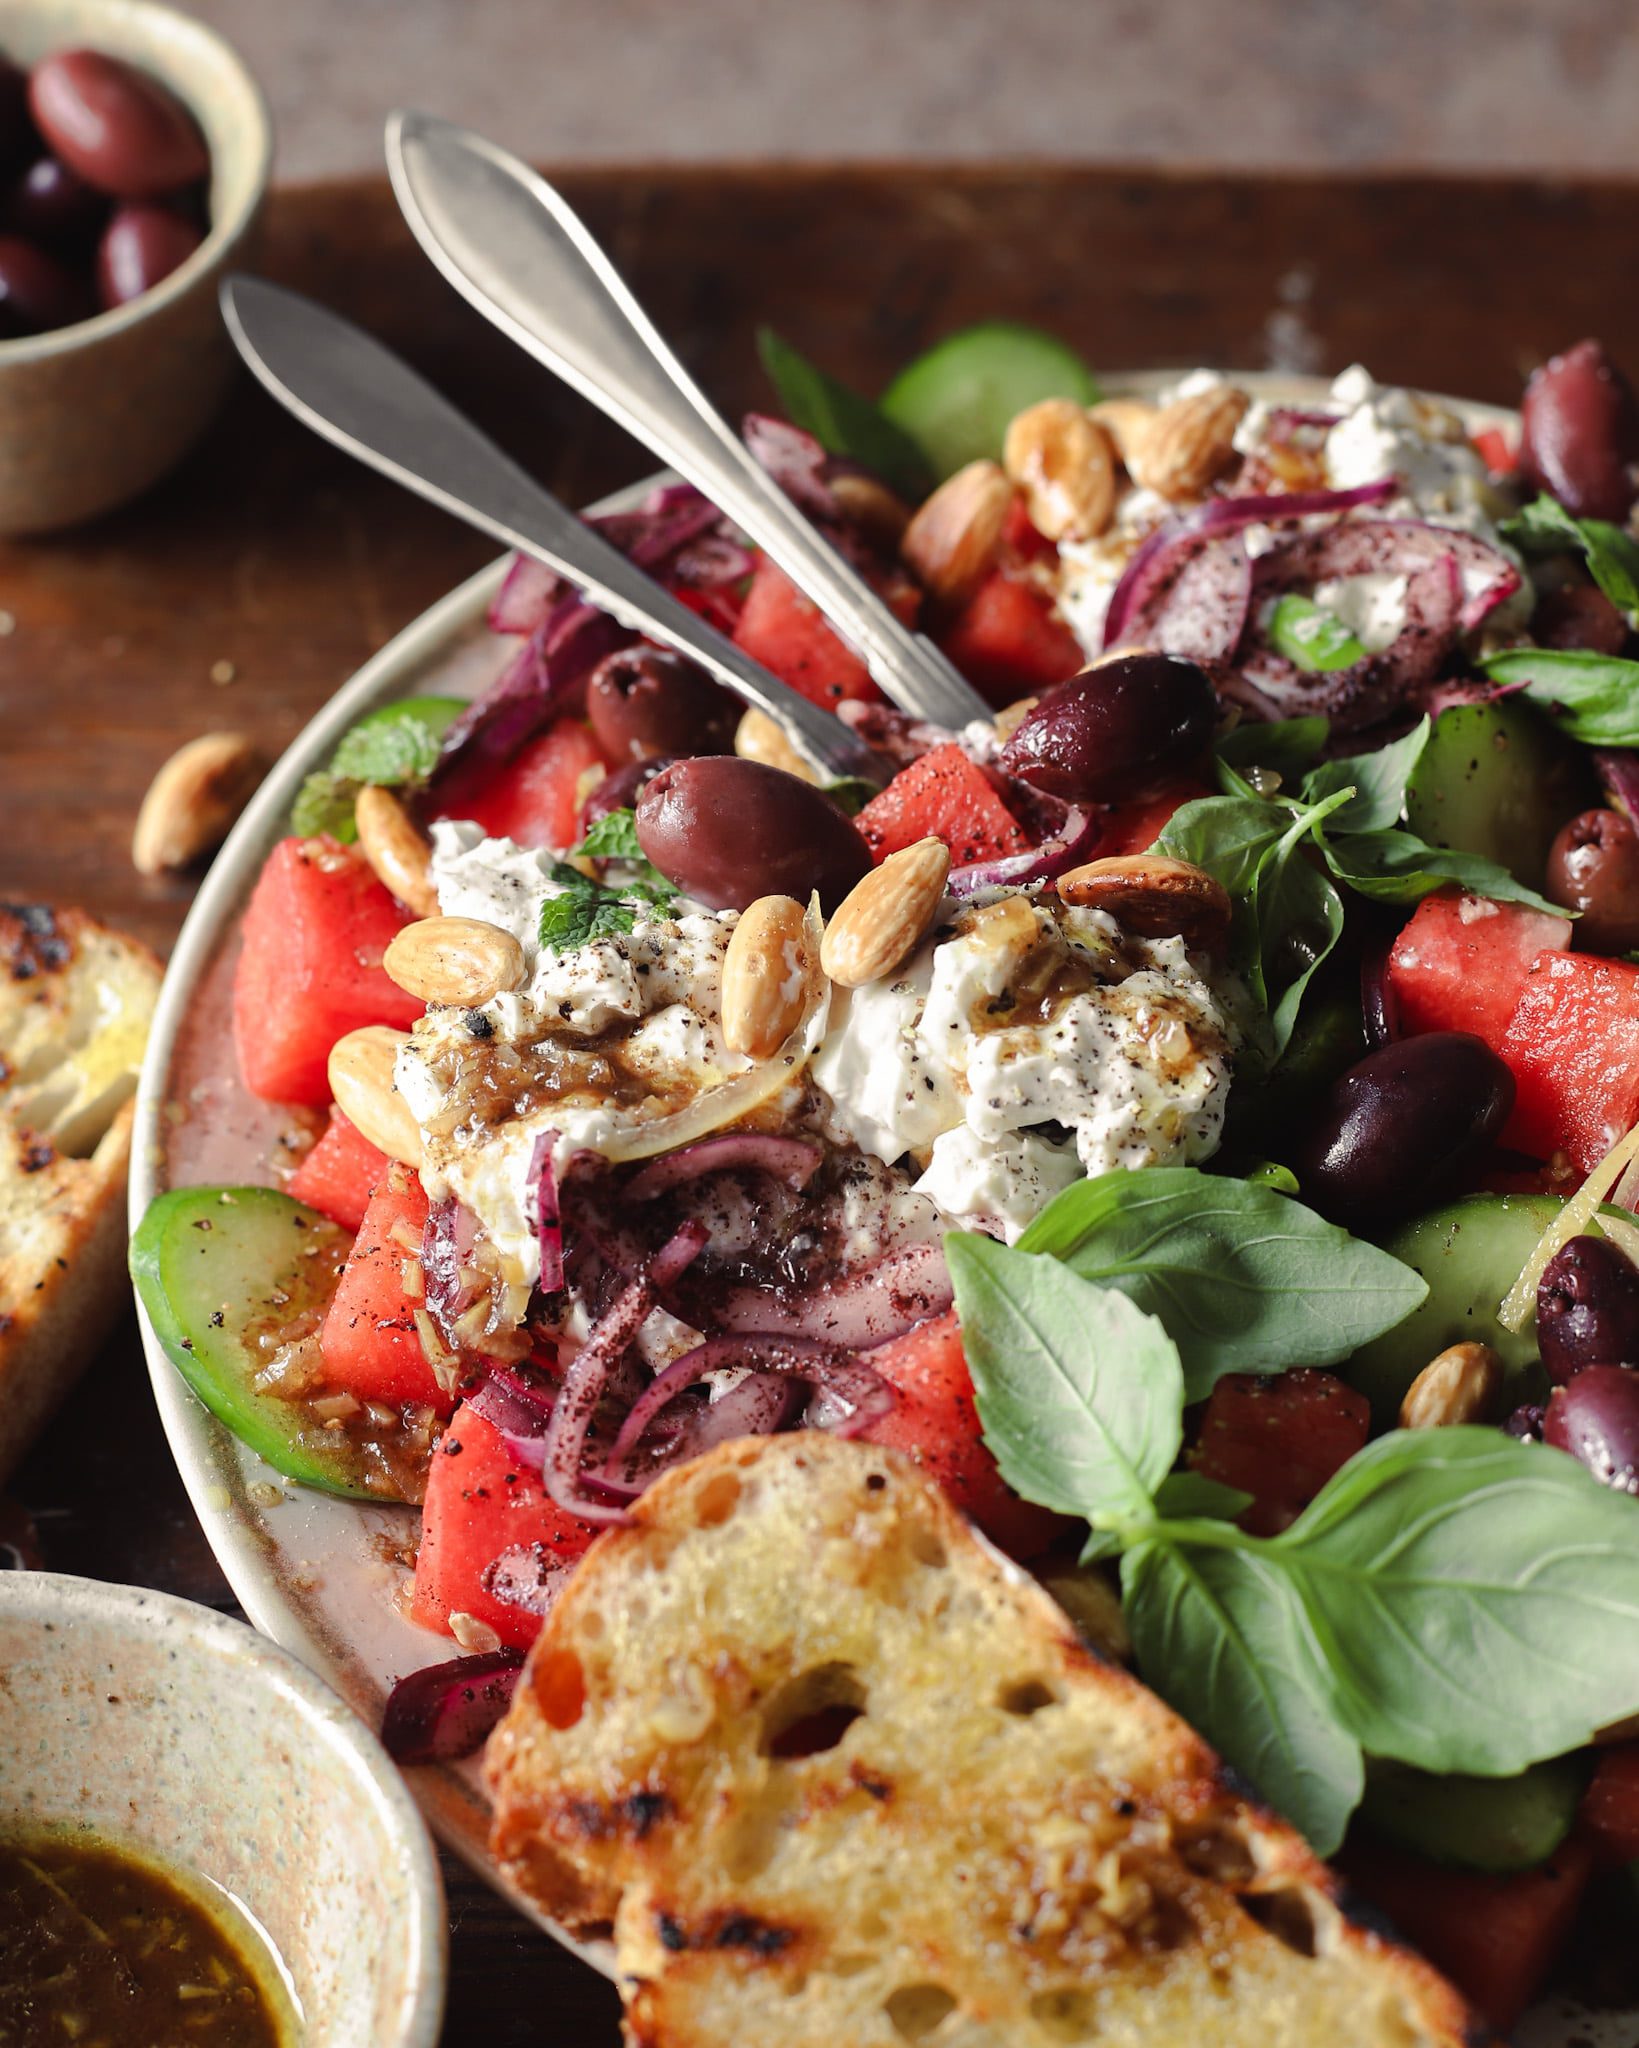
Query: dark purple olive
{"type": "Point", "coordinates": [52, 206]}
{"type": "Point", "coordinates": [1596, 1419]}
{"type": "Point", "coordinates": [1587, 1309]}
{"type": "Point", "coordinates": [728, 831]}
{"type": "Point", "coordinates": [648, 700]}
{"type": "Point", "coordinates": [142, 246]}
{"type": "Point", "coordinates": [1110, 732]}
{"type": "Point", "coordinates": [1581, 433]}
{"type": "Point", "coordinates": [1593, 866]}
{"type": "Point", "coordinates": [1526, 1422]}
{"type": "Point", "coordinates": [119, 128]}
{"type": "Point", "coordinates": [620, 790]}
{"type": "Point", "coordinates": [37, 292]}
{"type": "Point", "coordinates": [1579, 616]}
{"type": "Point", "coordinates": [18, 140]}
{"type": "Point", "coordinates": [1400, 1126]}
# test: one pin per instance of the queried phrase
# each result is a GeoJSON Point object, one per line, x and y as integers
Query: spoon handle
{"type": "Point", "coordinates": [512, 246]}
{"type": "Point", "coordinates": [345, 385]}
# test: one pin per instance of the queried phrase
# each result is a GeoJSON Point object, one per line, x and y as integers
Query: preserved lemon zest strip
{"type": "Point", "coordinates": [1626, 1192]}
{"type": "Point", "coordinates": [1571, 1221]}
{"type": "Point", "coordinates": [1625, 1236]}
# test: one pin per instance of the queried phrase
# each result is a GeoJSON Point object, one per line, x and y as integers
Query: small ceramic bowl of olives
{"type": "Point", "coordinates": [134, 157]}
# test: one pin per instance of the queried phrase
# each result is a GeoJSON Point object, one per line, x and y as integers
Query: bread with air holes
{"type": "Point", "coordinates": [838, 1775]}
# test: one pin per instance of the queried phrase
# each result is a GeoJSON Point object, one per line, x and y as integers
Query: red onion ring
{"type": "Point", "coordinates": [854, 1312]}
{"type": "Point", "coordinates": [1618, 771]}
{"type": "Point", "coordinates": [517, 1407]}
{"type": "Point", "coordinates": [548, 1211]}
{"type": "Point", "coordinates": [446, 1710]}
{"type": "Point", "coordinates": [1073, 842]}
{"type": "Point", "coordinates": [793, 1160]}
{"type": "Point", "coordinates": [447, 1239]}
{"type": "Point", "coordinates": [1196, 602]}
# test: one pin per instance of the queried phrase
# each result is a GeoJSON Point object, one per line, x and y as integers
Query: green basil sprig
{"type": "Point", "coordinates": [1592, 697]}
{"type": "Point", "coordinates": [1451, 1598]}
{"type": "Point", "coordinates": [1545, 527]}
{"type": "Point", "coordinates": [841, 421]}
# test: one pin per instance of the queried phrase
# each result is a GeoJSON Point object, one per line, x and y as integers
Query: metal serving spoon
{"type": "Point", "coordinates": [517, 251]}
{"type": "Point", "coordinates": [347, 386]}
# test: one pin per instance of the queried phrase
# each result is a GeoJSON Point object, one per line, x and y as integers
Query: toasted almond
{"type": "Point", "coordinates": [1127, 421]}
{"type": "Point", "coordinates": [455, 960]}
{"type": "Point", "coordinates": [1192, 442]}
{"type": "Point", "coordinates": [954, 536]}
{"type": "Point", "coordinates": [361, 1080]}
{"type": "Point", "coordinates": [395, 848]}
{"type": "Point", "coordinates": [193, 800]}
{"type": "Point", "coordinates": [1154, 897]}
{"type": "Point", "coordinates": [765, 976]}
{"type": "Point", "coordinates": [883, 917]}
{"type": "Point", "coordinates": [760, 738]}
{"type": "Point", "coordinates": [1012, 716]}
{"type": "Point", "coordinates": [1065, 463]}
{"type": "Point", "coordinates": [880, 514]}
{"type": "Point", "coordinates": [1460, 1385]}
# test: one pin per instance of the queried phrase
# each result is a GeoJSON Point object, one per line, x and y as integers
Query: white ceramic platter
{"type": "Point", "coordinates": [319, 1574]}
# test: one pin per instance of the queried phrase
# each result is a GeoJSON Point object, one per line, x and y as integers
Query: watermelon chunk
{"type": "Point", "coordinates": [948, 796]}
{"type": "Point", "coordinates": [1135, 827]}
{"type": "Point", "coordinates": [1279, 1437]}
{"type": "Point", "coordinates": [787, 633]}
{"type": "Point", "coordinates": [1609, 1815]}
{"type": "Point", "coordinates": [1572, 1047]}
{"type": "Point", "coordinates": [1462, 963]}
{"type": "Point", "coordinates": [369, 1341]}
{"type": "Point", "coordinates": [536, 797]}
{"type": "Point", "coordinates": [340, 1174]}
{"type": "Point", "coordinates": [1009, 642]}
{"type": "Point", "coordinates": [310, 967]}
{"type": "Point", "coordinates": [487, 1526]}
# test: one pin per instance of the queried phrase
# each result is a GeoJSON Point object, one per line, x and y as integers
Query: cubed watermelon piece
{"type": "Point", "coordinates": [341, 1173]}
{"type": "Point", "coordinates": [1009, 642]}
{"type": "Point", "coordinates": [1572, 1046]}
{"type": "Point", "coordinates": [310, 970]}
{"type": "Point", "coordinates": [535, 798]}
{"type": "Point", "coordinates": [369, 1341]}
{"type": "Point", "coordinates": [946, 795]}
{"type": "Point", "coordinates": [1135, 827]}
{"type": "Point", "coordinates": [935, 1422]}
{"type": "Point", "coordinates": [1462, 962]}
{"type": "Point", "coordinates": [787, 633]}
{"type": "Point", "coordinates": [489, 1527]}
{"type": "Point", "coordinates": [1279, 1437]}
{"type": "Point", "coordinates": [1609, 1815]}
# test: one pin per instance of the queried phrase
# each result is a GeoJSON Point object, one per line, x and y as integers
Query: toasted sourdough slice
{"type": "Point", "coordinates": [840, 1776]}
{"type": "Point", "coordinates": [75, 1004]}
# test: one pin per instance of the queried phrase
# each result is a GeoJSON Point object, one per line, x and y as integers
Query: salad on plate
{"type": "Point", "coordinates": [1193, 1114]}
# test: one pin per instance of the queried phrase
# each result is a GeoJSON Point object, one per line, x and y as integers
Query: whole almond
{"type": "Point", "coordinates": [883, 917]}
{"type": "Point", "coordinates": [954, 537]}
{"type": "Point", "coordinates": [1461, 1384]}
{"type": "Point", "coordinates": [1192, 442]}
{"type": "Point", "coordinates": [393, 845]}
{"type": "Point", "coordinates": [461, 960]}
{"type": "Point", "coordinates": [1153, 897]}
{"type": "Point", "coordinates": [765, 976]}
{"type": "Point", "coordinates": [760, 738]}
{"type": "Point", "coordinates": [1065, 463]}
{"type": "Point", "coordinates": [880, 514]}
{"type": "Point", "coordinates": [1127, 421]}
{"type": "Point", "coordinates": [361, 1079]}
{"type": "Point", "coordinates": [193, 800]}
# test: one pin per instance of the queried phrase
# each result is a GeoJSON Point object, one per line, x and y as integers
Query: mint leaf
{"type": "Point", "coordinates": [841, 420]}
{"type": "Point", "coordinates": [1474, 1601]}
{"type": "Point", "coordinates": [1288, 745]}
{"type": "Point", "coordinates": [1595, 697]}
{"type": "Point", "coordinates": [324, 803]}
{"type": "Point", "coordinates": [1241, 1278]}
{"type": "Point", "coordinates": [1310, 638]}
{"type": "Point", "coordinates": [614, 837]}
{"type": "Point", "coordinates": [1219, 1635]}
{"type": "Point", "coordinates": [1080, 1393]}
{"type": "Point", "coordinates": [850, 794]}
{"type": "Point", "coordinates": [390, 752]}
{"type": "Point", "coordinates": [1545, 527]}
{"type": "Point", "coordinates": [1398, 867]}
{"type": "Point", "coordinates": [577, 917]}
{"type": "Point", "coordinates": [1378, 780]}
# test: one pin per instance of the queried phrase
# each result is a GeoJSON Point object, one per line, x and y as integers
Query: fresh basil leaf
{"type": "Point", "coordinates": [1594, 697]}
{"type": "Point", "coordinates": [1300, 920]}
{"type": "Point", "coordinates": [324, 803]}
{"type": "Point", "coordinates": [1229, 836]}
{"type": "Point", "coordinates": [841, 420]}
{"type": "Point", "coordinates": [1378, 780]}
{"type": "Point", "coordinates": [1269, 1173]}
{"type": "Point", "coordinates": [1544, 526]}
{"type": "Point", "coordinates": [1220, 1636]}
{"type": "Point", "coordinates": [1288, 745]}
{"type": "Point", "coordinates": [1311, 638]}
{"type": "Point", "coordinates": [1182, 1496]}
{"type": "Point", "coordinates": [388, 751]}
{"type": "Point", "coordinates": [1475, 1601]}
{"type": "Point", "coordinates": [1080, 1393]}
{"type": "Point", "coordinates": [1240, 1278]}
{"type": "Point", "coordinates": [1398, 867]}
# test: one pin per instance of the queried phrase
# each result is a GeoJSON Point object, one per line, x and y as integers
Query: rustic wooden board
{"type": "Point", "coordinates": [270, 561]}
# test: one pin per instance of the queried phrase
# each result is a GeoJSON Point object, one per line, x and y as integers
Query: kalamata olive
{"type": "Point", "coordinates": [52, 206]}
{"type": "Point", "coordinates": [1587, 1309]}
{"type": "Point", "coordinates": [1596, 1419]}
{"type": "Point", "coordinates": [1581, 433]}
{"type": "Point", "coordinates": [18, 140]}
{"type": "Point", "coordinates": [1400, 1126]}
{"type": "Point", "coordinates": [1593, 866]}
{"type": "Point", "coordinates": [1119, 726]}
{"type": "Point", "coordinates": [729, 831]}
{"type": "Point", "coordinates": [1526, 1422]}
{"type": "Point", "coordinates": [620, 789]}
{"type": "Point", "coordinates": [36, 291]}
{"type": "Point", "coordinates": [142, 245]}
{"type": "Point", "coordinates": [1578, 615]}
{"type": "Point", "coordinates": [649, 700]}
{"type": "Point", "coordinates": [118, 127]}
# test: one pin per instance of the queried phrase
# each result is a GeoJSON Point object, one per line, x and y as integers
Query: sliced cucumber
{"type": "Point", "coordinates": [217, 1268]}
{"type": "Point", "coordinates": [955, 401]}
{"type": "Point", "coordinates": [1495, 779]}
{"type": "Point", "coordinates": [1495, 1824]}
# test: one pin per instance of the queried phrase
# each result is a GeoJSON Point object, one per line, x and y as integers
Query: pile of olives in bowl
{"type": "Point", "coordinates": [103, 181]}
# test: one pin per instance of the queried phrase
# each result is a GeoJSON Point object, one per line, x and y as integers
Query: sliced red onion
{"type": "Point", "coordinates": [1618, 770]}
{"type": "Point", "coordinates": [857, 1310]}
{"type": "Point", "coordinates": [447, 1710]}
{"type": "Point", "coordinates": [795, 460]}
{"type": "Point", "coordinates": [517, 1407]}
{"type": "Point", "coordinates": [528, 592]}
{"type": "Point", "coordinates": [677, 1254]}
{"type": "Point", "coordinates": [1196, 601]}
{"type": "Point", "coordinates": [527, 1576]}
{"type": "Point", "coordinates": [761, 1404]}
{"type": "Point", "coordinates": [793, 1160]}
{"type": "Point", "coordinates": [1074, 841]}
{"type": "Point", "coordinates": [1390, 547]}
{"type": "Point", "coordinates": [894, 734]}
{"type": "Point", "coordinates": [711, 559]}
{"type": "Point", "coordinates": [1287, 419]}
{"type": "Point", "coordinates": [447, 1241]}
{"type": "Point", "coordinates": [548, 1213]}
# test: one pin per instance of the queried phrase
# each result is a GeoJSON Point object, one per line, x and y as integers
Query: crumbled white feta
{"type": "Point", "coordinates": [1373, 607]}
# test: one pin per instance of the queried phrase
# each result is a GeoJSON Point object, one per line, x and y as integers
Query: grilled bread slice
{"type": "Point", "coordinates": [840, 1776]}
{"type": "Point", "coordinates": [75, 1004]}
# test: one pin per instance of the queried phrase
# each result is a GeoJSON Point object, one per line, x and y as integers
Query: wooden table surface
{"type": "Point", "coordinates": [252, 584]}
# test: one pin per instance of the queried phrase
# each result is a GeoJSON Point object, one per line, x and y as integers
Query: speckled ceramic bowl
{"type": "Point", "coordinates": [94, 413]}
{"type": "Point", "coordinates": [164, 1725]}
